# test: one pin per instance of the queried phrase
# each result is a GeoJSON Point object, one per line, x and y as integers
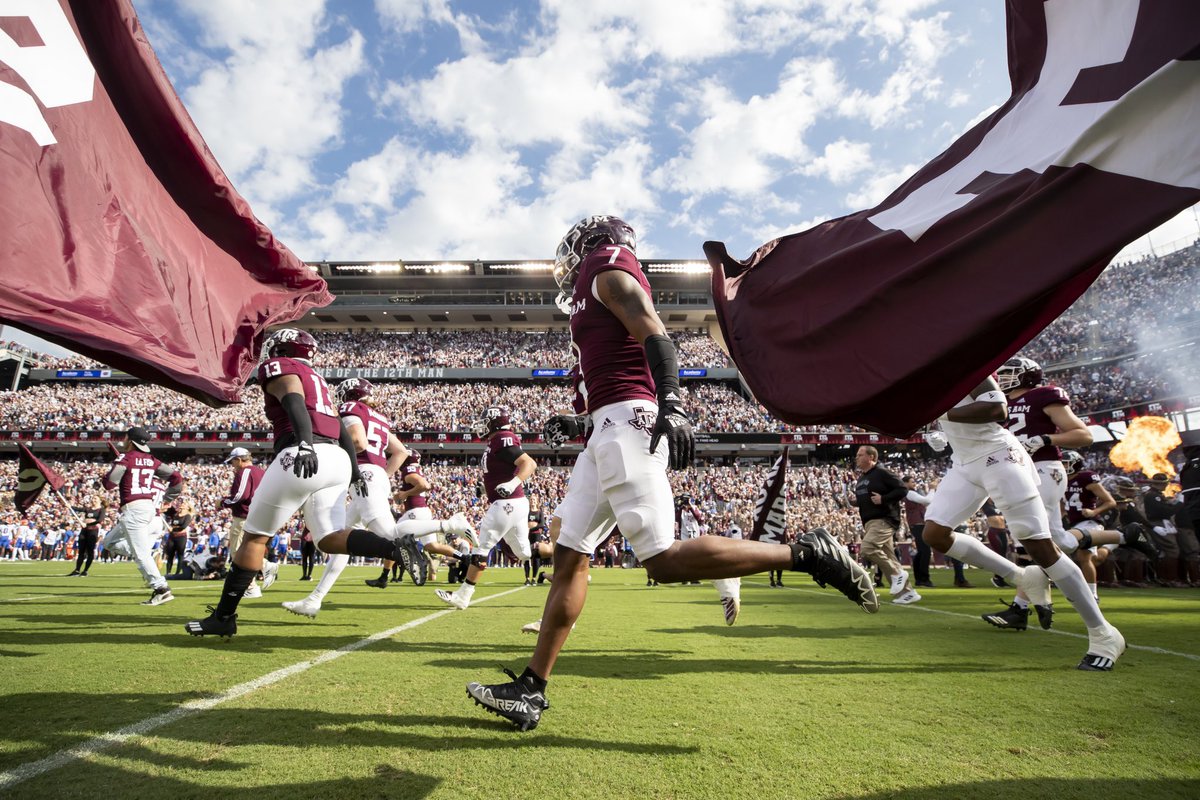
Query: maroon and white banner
{"type": "Point", "coordinates": [32, 477]}
{"type": "Point", "coordinates": [888, 317]}
{"type": "Point", "coordinates": [120, 236]}
{"type": "Point", "coordinates": [770, 510]}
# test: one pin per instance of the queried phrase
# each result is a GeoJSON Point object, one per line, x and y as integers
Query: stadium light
{"type": "Point", "coordinates": [524, 267]}
{"type": "Point", "coordinates": [445, 267]}
{"type": "Point", "coordinates": [686, 267]}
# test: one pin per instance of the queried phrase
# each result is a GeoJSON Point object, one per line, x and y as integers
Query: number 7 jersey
{"type": "Point", "coordinates": [325, 421]}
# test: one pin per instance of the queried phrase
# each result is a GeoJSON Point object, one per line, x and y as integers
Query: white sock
{"type": "Point", "coordinates": [1069, 580]}
{"type": "Point", "coordinates": [417, 527]}
{"type": "Point", "coordinates": [465, 591]}
{"type": "Point", "coordinates": [1020, 602]}
{"type": "Point", "coordinates": [1095, 593]}
{"type": "Point", "coordinates": [970, 550]}
{"type": "Point", "coordinates": [729, 587]}
{"type": "Point", "coordinates": [329, 575]}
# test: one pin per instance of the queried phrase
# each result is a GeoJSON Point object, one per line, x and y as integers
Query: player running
{"type": "Point", "coordinates": [628, 385]}
{"type": "Point", "coordinates": [313, 466]}
{"type": "Point", "coordinates": [989, 461]}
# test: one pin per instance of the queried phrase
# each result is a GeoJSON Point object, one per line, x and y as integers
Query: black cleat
{"type": "Point", "coordinates": [515, 701]}
{"type": "Point", "coordinates": [212, 625]}
{"type": "Point", "coordinates": [1045, 615]}
{"type": "Point", "coordinates": [73, 574]}
{"type": "Point", "coordinates": [1013, 618]}
{"type": "Point", "coordinates": [1135, 537]}
{"type": "Point", "coordinates": [409, 553]}
{"type": "Point", "coordinates": [377, 583]}
{"type": "Point", "coordinates": [820, 555]}
{"type": "Point", "coordinates": [1000, 583]}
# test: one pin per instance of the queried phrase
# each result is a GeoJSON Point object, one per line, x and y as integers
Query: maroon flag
{"type": "Point", "coordinates": [120, 236]}
{"type": "Point", "coordinates": [770, 510]}
{"type": "Point", "coordinates": [888, 317]}
{"type": "Point", "coordinates": [32, 476]}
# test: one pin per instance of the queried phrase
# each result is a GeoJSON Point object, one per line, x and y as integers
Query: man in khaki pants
{"type": "Point", "coordinates": [878, 494]}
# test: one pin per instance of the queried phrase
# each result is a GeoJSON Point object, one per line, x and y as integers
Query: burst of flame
{"type": "Point", "coordinates": [1145, 446]}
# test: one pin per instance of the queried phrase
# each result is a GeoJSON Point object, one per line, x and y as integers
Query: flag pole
{"type": "Point", "coordinates": [58, 494]}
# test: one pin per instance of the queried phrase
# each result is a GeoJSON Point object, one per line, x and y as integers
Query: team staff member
{"type": "Point", "coordinates": [878, 494]}
{"type": "Point", "coordinates": [246, 479]}
{"type": "Point", "coordinates": [93, 517]}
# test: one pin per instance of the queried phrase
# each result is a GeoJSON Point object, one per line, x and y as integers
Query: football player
{"type": "Point", "coordinates": [506, 468]}
{"type": "Point", "coordinates": [315, 460]}
{"type": "Point", "coordinates": [627, 383]}
{"type": "Point", "coordinates": [246, 478]}
{"type": "Point", "coordinates": [134, 474]}
{"type": "Point", "coordinates": [1040, 416]}
{"type": "Point", "coordinates": [988, 461]}
{"type": "Point", "coordinates": [379, 455]}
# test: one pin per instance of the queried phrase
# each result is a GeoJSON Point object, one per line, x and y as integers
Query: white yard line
{"type": "Point", "coordinates": [33, 769]}
{"type": "Point", "coordinates": [1144, 648]}
{"type": "Point", "coordinates": [67, 595]}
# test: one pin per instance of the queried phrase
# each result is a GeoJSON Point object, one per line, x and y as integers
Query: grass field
{"type": "Point", "coordinates": [655, 698]}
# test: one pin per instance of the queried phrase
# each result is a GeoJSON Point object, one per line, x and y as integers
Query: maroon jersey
{"type": "Point", "coordinates": [325, 420]}
{"type": "Point", "coordinates": [497, 468]}
{"type": "Point", "coordinates": [245, 482]}
{"type": "Point", "coordinates": [1027, 417]}
{"type": "Point", "coordinates": [134, 474]}
{"type": "Point", "coordinates": [377, 428]}
{"type": "Point", "coordinates": [412, 467]}
{"type": "Point", "coordinates": [612, 364]}
{"type": "Point", "coordinates": [1079, 496]}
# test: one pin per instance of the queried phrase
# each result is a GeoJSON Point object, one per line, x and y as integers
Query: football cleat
{"type": "Point", "coordinates": [515, 701]}
{"type": "Point", "coordinates": [159, 596]}
{"type": "Point", "coordinates": [376, 583]}
{"type": "Point", "coordinates": [532, 627]}
{"type": "Point", "coordinates": [729, 590]}
{"type": "Point", "coordinates": [732, 607]}
{"type": "Point", "coordinates": [212, 625]}
{"type": "Point", "coordinates": [1045, 615]}
{"type": "Point", "coordinates": [898, 582]}
{"type": "Point", "coordinates": [409, 553]}
{"type": "Point", "coordinates": [907, 597]}
{"type": "Point", "coordinates": [304, 608]}
{"type": "Point", "coordinates": [252, 591]}
{"type": "Point", "coordinates": [453, 599]}
{"type": "Point", "coordinates": [1105, 646]}
{"type": "Point", "coordinates": [1012, 618]}
{"type": "Point", "coordinates": [458, 524]}
{"type": "Point", "coordinates": [830, 564]}
{"type": "Point", "coordinates": [1135, 537]}
{"type": "Point", "coordinates": [270, 571]}
{"type": "Point", "coordinates": [999, 582]}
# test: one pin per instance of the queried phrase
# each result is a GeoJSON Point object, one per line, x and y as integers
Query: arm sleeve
{"type": "Point", "coordinates": [297, 413]}
{"type": "Point", "coordinates": [114, 476]}
{"type": "Point", "coordinates": [174, 481]}
{"type": "Point", "coordinates": [509, 455]}
{"type": "Point", "coordinates": [917, 497]}
{"type": "Point", "coordinates": [347, 444]}
{"type": "Point", "coordinates": [237, 492]}
{"type": "Point", "coordinates": [664, 366]}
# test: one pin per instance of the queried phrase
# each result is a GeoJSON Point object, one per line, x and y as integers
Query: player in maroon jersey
{"type": "Point", "coordinates": [1040, 416]}
{"type": "Point", "coordinates": [313, 465]}
{"type": "Point", "coordinates": [506, 467]}
{"type": "Point", "coordinates": [628, 384]}
{"type": "Point", "coordinates": [246, 478]}
{"type": "Point", "coordinates": [134, 474]}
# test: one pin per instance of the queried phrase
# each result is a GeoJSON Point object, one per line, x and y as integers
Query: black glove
{"type": "Point", "coordinates": [562, 428]}
{"type": "Point", "coordinates": [673, 423]}
{"type": "Point", "coordinates": [358, 483]}
{"type": "Point", "coordinates": [305, 465]}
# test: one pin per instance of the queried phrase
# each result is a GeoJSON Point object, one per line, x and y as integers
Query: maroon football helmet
{"type": "Point", "coordinates": [353, 389]}
{"type": "Point", "coordinates": [290, 343]}
{"type": "Point", "coordinates": [584, 237]}
{"type": "Point", "coordinates": [494, 419]}
{"type": "Point", "coordinates": [1073, 461]}
{"type": "Point", "coordinates": [1019, 373]}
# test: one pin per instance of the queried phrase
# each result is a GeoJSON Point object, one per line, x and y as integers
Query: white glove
{"type": "Point", "coordinates": [1035, 443]}
{"type": "Point", "coordinates": [507, 488]}
{"type": "Point", "coordinates": [936, 440]}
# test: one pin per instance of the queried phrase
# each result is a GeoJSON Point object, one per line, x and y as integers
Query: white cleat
{"type": "Point", "coordinates": [458, 523]}
{"type": "Point", "coordinates": [1105, 646]}
{"type": "Point", "coordinates": [252, 591]}
{"type": "Point", "coordinates": [533, 627]}
{"type": "Point", "coordinates": [270, 571]}
{"type": "Point", "coordinates": [729, 590]}
{"type": "Point", "coordinates": [906, 598]}
{"type": "Point", "coordinates": [732, 607]}
{"type": "Point", "coordinates": [899, 582]}
{"type": "Point", "coordinates": [453, 599]}
{"type": "Point", "coordinates": [1035, 584]}
{"type": "Point", "coordinates": [304, 608]}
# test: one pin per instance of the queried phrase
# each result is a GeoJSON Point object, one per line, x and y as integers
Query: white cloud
{"type": "Point", "coordinates": [878, 186]}
{"type": "Point", "coordinates": [842, 161]}
{"type": "Point", "coordinates": [273, 103]}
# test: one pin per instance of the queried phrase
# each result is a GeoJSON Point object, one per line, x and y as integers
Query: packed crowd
{"type": "Point", "coordinates": [431, 406]}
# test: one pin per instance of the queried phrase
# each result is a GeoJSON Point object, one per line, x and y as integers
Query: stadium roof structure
{"type": "Point", "coordinates": [404, 295]}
